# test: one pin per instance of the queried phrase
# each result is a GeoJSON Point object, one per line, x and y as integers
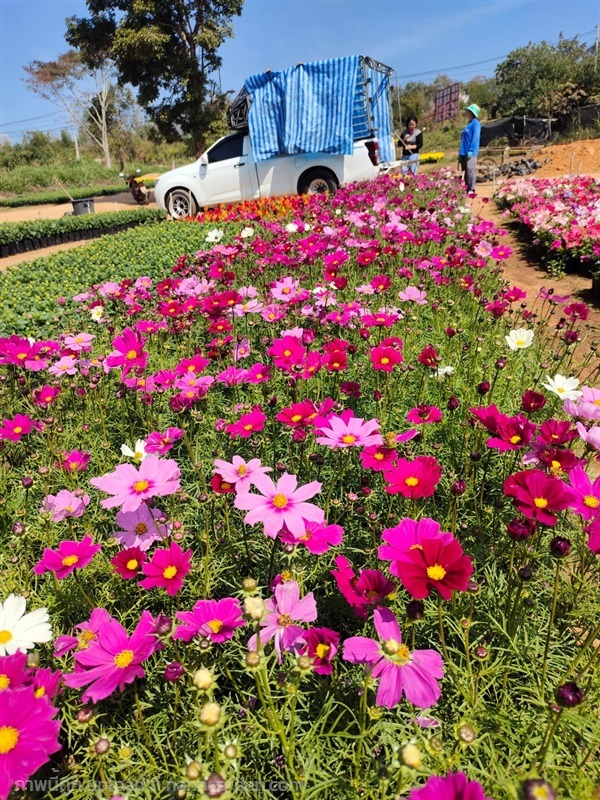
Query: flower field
{"type": "Point", "coordinates": [298, 500]}
{"type": "Point", "coordinates": [563, 215]}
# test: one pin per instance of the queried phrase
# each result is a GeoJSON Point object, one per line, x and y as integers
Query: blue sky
{"type": "Point", "coordinates": [416, 37]}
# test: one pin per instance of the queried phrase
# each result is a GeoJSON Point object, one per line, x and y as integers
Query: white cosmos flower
{"type": "Point", "coordinates": [96, 313]}
{"type": "Point", "coordinates": [21, 631]}
{"type": "Point", "coordinates": [519, 339]}
{"type": "Point", "coordinates": [565, 388]}
{"type": "Point", "coordinates": [139, 454]}
{"type": "Point", "coordinates": [291, 227]}
{"type": "Point", "coordinates": [247, 232]}
{"type": "Point", "coordinates": [214, 236]}
{"type": "Point", "coordinates": [443, 372]}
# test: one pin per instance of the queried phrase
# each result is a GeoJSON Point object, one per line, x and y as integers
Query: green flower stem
{"type": "Point", "coordinates": [550, 731]}
{"type": "Point", "coordinates": [550, 622]}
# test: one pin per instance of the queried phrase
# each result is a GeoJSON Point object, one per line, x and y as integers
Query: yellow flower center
{"type": "Point", "coordinates": [17, 429]}
{"type": "Point", "coordinates": [5, 636]}
{"type": "Point", "coordinates": [321, 650]}
{"type": "Point", "coordinates": [520, 342]}
{"type": "Point", "coordinates": [124, 659]}
{"type": "Point", "coordinates": [515, 439]}
{"type": "Point", "coordinates": [542, 793]}
{"type": "Point", "coordinates": [280, 501]}
{"type": "Point", "coordinates": [132, 563]}
{"type": "Point", "coordinates": [40, 691]}
{"type": "Point", "coordinates": [378, 456]}
{"type": "Point", "coordinates": [242, 470]}
{"type": "Point", "coordinates": [385, 360]}
{"type": "Point", "coordinates": [68, 561]}
{"type": "Point", "coordinates": [540, 502]}
{"type": "Point", "coordinates": [141, 528]}
{"type": "Point", "coordinates": [412, 481]}
{"type": "Point", "coordinates": [284, 620]}
{"type": "Point", "coordinates": [170, 572]}
{"type": "Point", "coordinates": [215, 625]}
{"type": "Point", "coordinates": [597, 402]}
{"type": "Point", "coordinates": [8, 739]}
{"type": "Point", "coordinates": [399, 652]}
{"type": "Point", "coordinates": [225, 485]}
{"type": "Point", "coordinates": [436, 572]}
{"type": "Point", "coordinates": [131, 355]}
{"type": "Point", "coordinates": [73, 465]}
{"type": "Point", "coordinates": [248, 427]}
{"type": "Point", "coordinates": [296, 417]}
{"type": "Point", "coordinates": [348, 438]}
{"type": "Point", "coordinates": [22, 356]}
{"type": "Point", "coordinates": [286, 576]}
{"type": "Point", "coordinates": [84, 639]}
{"type": "Point", "coordinates": [4, 682]}
{"type": "Point", "coordinates": [590, 501]}
{"type": "Point", "coordinates": [287, 353]}
{"type": "Point", "coordinates": [140, 486]}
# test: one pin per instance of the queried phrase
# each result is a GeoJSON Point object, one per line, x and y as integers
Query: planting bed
{"type": "Point", "coordinates": [297, 493]}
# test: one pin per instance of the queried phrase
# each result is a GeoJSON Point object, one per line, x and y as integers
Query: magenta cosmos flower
{"type": "Point", "coordinates": [28, 736]}
{"type": "Point", "coordinates": [537, 495]}
{"type": "Point", "coordinates": [346, 430]}
{"type": "Point", "coordinates": [113, 659]}
{"type": "Point", "coordinates": [321, 645]}
{"type": "Point", "coordinates": [586, 495]}
{"type": "Point", "coordinates": [455, 786]}
{"type": "Point", "coordinates": [369, 588]}
{"type": "Point", "coordinates": [424, 414]}
{"type": "Point", "coordinates": [401, 671]}
{"type": "Point", "coordinates": [129, 352]}
{"type": "Point", "coordinates": [281, 504]}
{"type": "Point", "coordinates": [318, 538]}
{"type": "Point", "coordinates": [70, 555]}
{"type": "Point", "coordinates": [240, 473]}
{"type": "Point", "coordinates": [436, 563]}
{"type": "Point", "coordinates": [414, 479]}
{"type": "Point", "coordinates": [14, 429]}
{"type": "Point", "coordinates": [130, 486]}
{"type": "Point", "coordinates": [282, 612]}
{"type": "Point", "coordinates": [161, 443]}
{"type": "Point", "coordinates": [213, 619]}
{"type": "Point", "coordinates": [167, 569]}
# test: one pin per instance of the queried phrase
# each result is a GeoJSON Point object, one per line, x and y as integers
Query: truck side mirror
{"type": "Point", "coordinates": [204, 160]}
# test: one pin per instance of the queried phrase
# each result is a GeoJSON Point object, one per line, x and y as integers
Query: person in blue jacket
{"type": "Point", "coordinates": [469, 146]}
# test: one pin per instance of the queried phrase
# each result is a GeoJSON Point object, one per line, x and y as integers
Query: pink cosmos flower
{"type": "Point", "coordinates": [346, 430]}
{"type": "Point", "coordinates": [167, 569]}
{"type": "Point", "coordinates": [258, 373]}
{"type": "Point", "coordinates": [321, 645]}
{"type": "Point", "coordinates": [586, 495]}
{"type": "Point", "coordinates": [591, 436]}
{"type": "Point", "coordinates": [512, 433]}
{"type": "Point", "coordinates": [212, 619]}
{"type": "Point", "coordinates": [455, 786]}
{"type": "Point", "coordinates": [240, 473]}
{"type": "Point", "coordinates": [13, 671]}
{"type": "Point", "coordinates": [593, 531]}
{"type": "Point", "coordinates": [64, 504]}
{"type": "Point", "coordinates": [282, 612]}
{"type": "Point", "coordinates": [537, 495]}
{"type": "Point", "coordinates": [46, 683]}
{"type": "Point", "coordinates": [113, 659]}
{"type": "Point", "coordinates": [14, 429]}
{"type": "Point", "coordinates": [67, 365]}
{"type": "Point", "coordinates": [88, 633]}
{"type": "Point", "coordinates": [81, 341]}
{"type": "Point", "coordinates": [318, 538]}
{"type": "Point", "coordinates": [29, 736]}
{"type": "Point", "coordinates": [424, 414]}
{"type": "Point", "coordinates": [438, 563]}
{"type": "Point", "coordinates": [281, 504]}
{"type": "Point", "coordinates": [247, 424]}
{"type": "Point", "coordinates": [413, 295]}
{"type": "Point", "coordinates": [141, 528]}
{"type": "Point", "coordinates": [129, 352]}
{"type": "Point", "coordinates": [161, 443]}
{"type": "Point", "coordinates": [415, 674]}
{"type": "Point", "coordinates": [384, 359]}
{"type": "Point", "coordinates": [415, 479]}
{"type": "Point", "coordinates": [369, 588]}
{"type": "Point", "coordinates": [74, 461]}
{"type": "Point", "coordinates": [406, 536]}
{"type": "Point", "coordinates": [587, 406]}
{"type": "Point", "coordinates": [378, 457]}
{"type": "Point", "coordinates": [70, 555]}
{"type": "Point", "coordinates": [130, 486]}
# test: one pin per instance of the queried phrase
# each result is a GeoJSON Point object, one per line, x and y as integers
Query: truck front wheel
{"type": "Point", "coordinates": [317, 181]}
{"type": "Point", "coordinates": [181, 203]}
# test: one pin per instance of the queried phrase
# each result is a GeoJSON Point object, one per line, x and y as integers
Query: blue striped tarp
{"type": "Point", "coordinates": [317, 108]}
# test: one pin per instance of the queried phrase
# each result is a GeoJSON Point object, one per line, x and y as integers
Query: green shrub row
{"type": "Point", "coordinates": [12, 233]}
{"type": "Point", "coordinates": [29, 291]}
{"type": "Point", "coordinates": [58, 196]}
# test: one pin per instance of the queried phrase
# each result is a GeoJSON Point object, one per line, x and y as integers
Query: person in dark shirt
{"type": "Point", "coordinates": [411, 141]}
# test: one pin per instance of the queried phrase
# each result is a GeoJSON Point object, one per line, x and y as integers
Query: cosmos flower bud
{"type": "Point", "coordinates": [560, 547]}
{"type": "Point", "coordinates": [411, 756]}
{"type": "Point", "coordinates": [203, 679]}
{"type": "Point", "coordinates": [569, 695]}
{"type": "Point", "coordinates": [254, 608]}
{"type": "Point", "coordinates": [415, 610]}
{"type": "Point", "coordinates": [214, 785]}
{"type": "Point", "coordinates": [249, 584]}
{"type": "Point", "coordinates": [102, 746]}
{"type": "Point", "coordinates": [210, 714]}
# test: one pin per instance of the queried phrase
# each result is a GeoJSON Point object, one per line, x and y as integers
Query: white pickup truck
{"type": "Point", "coordinates": [228, 173]}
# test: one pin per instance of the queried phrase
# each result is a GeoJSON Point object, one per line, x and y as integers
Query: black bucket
{"type": "Point", "coordinates": [83, 206]}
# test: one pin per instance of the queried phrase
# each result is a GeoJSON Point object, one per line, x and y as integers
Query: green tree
{"type": "Point", "coordinates": [484, 92]}
{"type": "Point", "coordinates": [544, 79]}
{"type": "Point", "coordinates": [167, 49]}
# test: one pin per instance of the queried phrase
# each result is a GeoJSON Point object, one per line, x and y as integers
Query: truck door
{"type": "Point", "coordinates": [229, 176]}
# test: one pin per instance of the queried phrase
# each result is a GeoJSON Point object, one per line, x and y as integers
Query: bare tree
{"type": "Point", "coordinates": [66, 83]}
{"type": "Point", "coordinates": [56, 81]}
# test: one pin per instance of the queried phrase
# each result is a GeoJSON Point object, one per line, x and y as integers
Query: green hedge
{"type": "Point", "coordinates": [55, 197]}
{"type": "Point", "coordinates": [32, 231]}
{"type": "Point", "coordinates": [28, 291]}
